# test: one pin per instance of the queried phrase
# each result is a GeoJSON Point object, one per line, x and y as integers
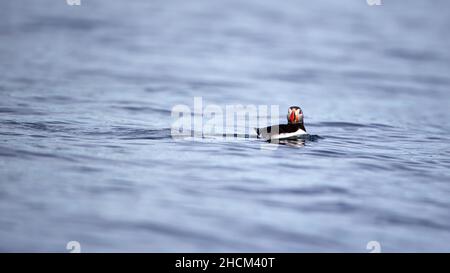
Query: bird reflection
{"type": "Point", "coordinates": [295, 143]}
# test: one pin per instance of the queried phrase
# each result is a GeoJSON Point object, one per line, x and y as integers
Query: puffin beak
{"type": "Point", "coordinates": [292, 116]}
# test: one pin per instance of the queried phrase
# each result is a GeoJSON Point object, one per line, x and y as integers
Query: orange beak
{"type": "Point", "coordinates": [292, 116]}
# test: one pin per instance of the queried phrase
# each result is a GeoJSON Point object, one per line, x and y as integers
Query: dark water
{"type": "Point", "coordinates": [86, 152]}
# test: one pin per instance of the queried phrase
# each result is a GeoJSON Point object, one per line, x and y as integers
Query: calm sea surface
{"type": "Point", "coordinates": [86, 153]}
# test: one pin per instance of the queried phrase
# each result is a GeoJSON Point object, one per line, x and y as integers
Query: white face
{"type": "Point", "coordinates": [295, 115]}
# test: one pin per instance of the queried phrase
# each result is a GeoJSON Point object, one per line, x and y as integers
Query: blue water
{"type": "Point", "coordinates": [86, 153]}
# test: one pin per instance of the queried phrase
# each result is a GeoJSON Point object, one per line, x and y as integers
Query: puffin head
{"type": "Point", "coordinates": [295, 115]}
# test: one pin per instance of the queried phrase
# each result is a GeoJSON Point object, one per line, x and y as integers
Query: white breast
{"type": "Point", "coordinates": [269, 136]}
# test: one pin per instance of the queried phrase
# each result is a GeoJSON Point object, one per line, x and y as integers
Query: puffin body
{"type": "Point", "coordinates": [282, 131]}
{"type": "Point", "coordinates": [292, 130]}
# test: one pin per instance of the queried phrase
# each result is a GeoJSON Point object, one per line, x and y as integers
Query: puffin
{"type": "Point", "coordinates": [292, 130]}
